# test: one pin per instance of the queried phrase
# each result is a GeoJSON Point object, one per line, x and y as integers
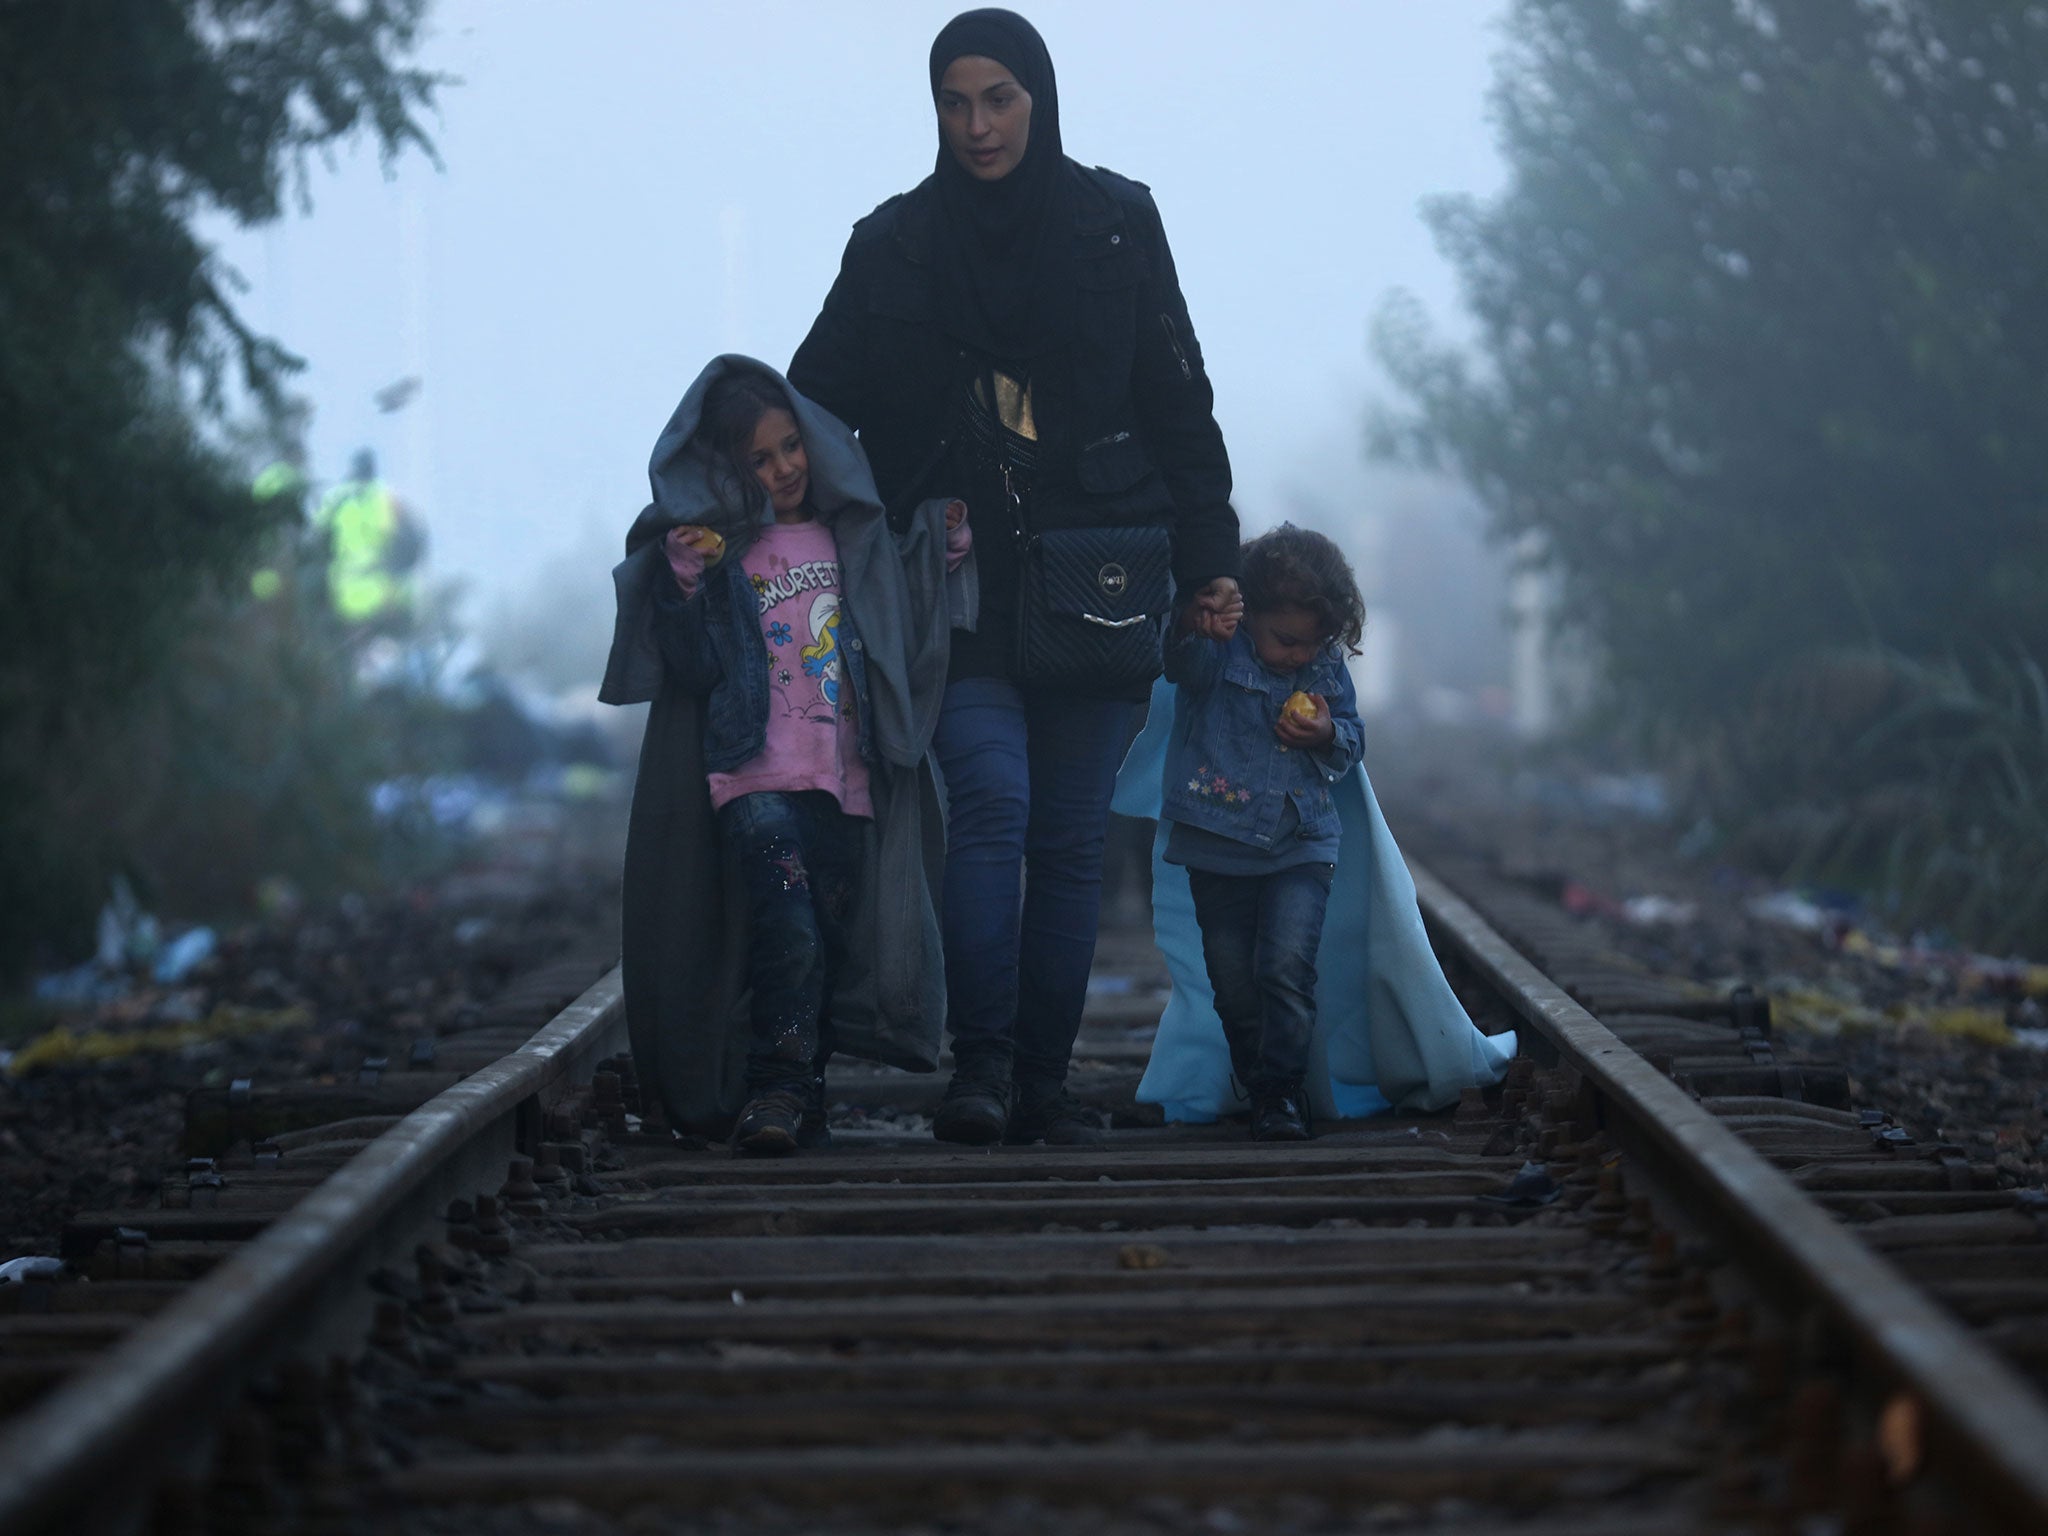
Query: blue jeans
{"type": "Point", "coordinates": [1259, 940]}
{"type": "Point", "coordinates": [798, 857]}
{"type": "Point", "coordinates": [1028, 779]}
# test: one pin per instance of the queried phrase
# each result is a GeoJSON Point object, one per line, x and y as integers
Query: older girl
{"type": "Point", "coordinates": [794, 653]}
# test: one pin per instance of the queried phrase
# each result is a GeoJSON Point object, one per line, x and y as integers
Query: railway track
{"type": "Point", "coordinates": [1660, 1278]}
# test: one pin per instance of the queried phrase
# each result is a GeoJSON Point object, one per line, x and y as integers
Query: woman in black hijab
{"type": "Point", "coordinates": [1011, 331]}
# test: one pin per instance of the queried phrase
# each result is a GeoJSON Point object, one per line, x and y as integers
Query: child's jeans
{"type": "Point", "coordinates": [1259, 938]}
{"type": "Point", "coordinates": [799, 861]}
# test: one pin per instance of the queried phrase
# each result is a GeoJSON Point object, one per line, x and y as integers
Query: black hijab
{"type": "Point", "coordinates": [1002, 262]}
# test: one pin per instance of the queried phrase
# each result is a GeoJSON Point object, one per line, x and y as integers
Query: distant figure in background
{"type": "Point", "coordinates": [372, 545]}
{"type": "Point", "coordinates": [1267, 723]}
{"type": "Point", "coordinates": [783, 848]}
{"type": "Point", "coordinates": [1012, 331]}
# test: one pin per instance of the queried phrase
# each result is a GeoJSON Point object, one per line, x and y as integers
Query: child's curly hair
{"type": "Point", "coordinates": [1292, 567]}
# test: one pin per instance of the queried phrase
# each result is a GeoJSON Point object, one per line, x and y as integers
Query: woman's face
{"type": "Point", "coordinates": [776, 456]}
{"type": "Point", "coordinates": [985, 116]}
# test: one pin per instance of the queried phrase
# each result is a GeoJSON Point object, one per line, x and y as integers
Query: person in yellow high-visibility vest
{"type": "Point", "coordinates": [371, 544]}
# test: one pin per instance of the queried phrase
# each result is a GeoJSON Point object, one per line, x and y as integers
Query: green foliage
{"type": "Point", "coordinates": [1917, 782]}
{"type": "Point", "coordinates": [251, 756]}
{"type": "Point", "coordinates": [247, 758]}
{"type": "Point", "coordinates": [121, 121]}
{"type": "Point", "coordinates": [1761, 308]}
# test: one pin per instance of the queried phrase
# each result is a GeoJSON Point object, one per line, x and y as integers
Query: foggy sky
{"type": "Point", "coordinates": [633, 186]}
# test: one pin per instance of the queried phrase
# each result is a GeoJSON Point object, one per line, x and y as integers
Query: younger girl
{"type": "Point", "coordinates": [1266, 723]}
{"type": "Point", "coordinates": [785, 611]}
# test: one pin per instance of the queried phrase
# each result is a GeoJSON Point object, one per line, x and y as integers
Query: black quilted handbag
{"type": "Point", "coordinates": [1092, 607]}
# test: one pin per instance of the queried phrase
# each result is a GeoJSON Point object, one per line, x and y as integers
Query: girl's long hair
{"type": "Point", "coordinates": [1292, 567]}
{"type": "Point", "coordinates": [733, 408]}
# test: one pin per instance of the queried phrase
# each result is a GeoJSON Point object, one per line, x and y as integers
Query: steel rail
{"type": "Point", "coordinates": [97, 1441]}
{"type": "Point", "coordinates": [1977, 1408]}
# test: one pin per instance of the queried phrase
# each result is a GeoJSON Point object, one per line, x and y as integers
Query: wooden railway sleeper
{"type": "Point", "coordinates": [1557, 1114]}
{"type": "Point", "coordinates": [1726, 1105]}
{"type": "Point", "coordinates": [1709, 1077]}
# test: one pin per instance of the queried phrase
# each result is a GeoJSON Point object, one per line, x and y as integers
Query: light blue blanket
{"type": "Point", "coordinates": [1390, 1033]}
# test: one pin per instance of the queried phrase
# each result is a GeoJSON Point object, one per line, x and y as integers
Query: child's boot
{"type": "Point", "coordinates": [768, 1125]}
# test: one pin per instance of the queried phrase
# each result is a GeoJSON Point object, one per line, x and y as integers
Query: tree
{"type": "Point", "coordinates": [1761, 310]}
{"type": "Point", "coordinates": [121, 502]}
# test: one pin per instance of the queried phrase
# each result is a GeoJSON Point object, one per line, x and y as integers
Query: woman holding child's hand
{"type": "Point", "coordinates": [1012, 331]}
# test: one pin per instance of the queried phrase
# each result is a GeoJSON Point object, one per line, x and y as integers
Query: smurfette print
{"type": "Point", "coordinates": [821, 659]}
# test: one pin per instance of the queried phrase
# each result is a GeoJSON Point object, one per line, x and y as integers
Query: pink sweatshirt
{"type": "Point", "coordinates": [813, 738]}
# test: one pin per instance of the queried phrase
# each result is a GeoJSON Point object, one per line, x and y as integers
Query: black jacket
{"type": "Point", "coordinates": [1126, 430]}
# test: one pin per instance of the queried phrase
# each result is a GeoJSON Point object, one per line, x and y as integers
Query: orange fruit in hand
{"type": "Point", "coordinates": [1301, 706]}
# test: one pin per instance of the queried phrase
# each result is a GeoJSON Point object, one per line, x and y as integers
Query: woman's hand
{"type": "Point", "coordinates": [1216, 609]}
{"type": "Point", "coordinates": [1312, 734]}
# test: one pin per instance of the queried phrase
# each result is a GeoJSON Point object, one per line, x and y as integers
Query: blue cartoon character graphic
{"type": "Point", "coordinates": [821, 660]}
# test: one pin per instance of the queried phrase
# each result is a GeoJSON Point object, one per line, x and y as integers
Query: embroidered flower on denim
{"type": "Point", "coordinates": [1211, 785]}
{"type": "Point", "coordinates": [778, 633]}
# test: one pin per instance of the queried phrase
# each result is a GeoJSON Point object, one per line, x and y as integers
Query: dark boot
{"type": "Point", "coordinates": [1280, 1117]}
{"type": "Point", "coordinates": [1047, 1112]}
{"type": "Point", "coordinates": [768, 1125]}
{"type": "Point", "coordinates": [976, 1109]}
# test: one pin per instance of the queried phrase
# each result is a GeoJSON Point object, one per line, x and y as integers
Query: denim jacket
{"type": "Point", "coordinates": [711, 644]}
{"type": "Point", "coordinates": [1226, 770]}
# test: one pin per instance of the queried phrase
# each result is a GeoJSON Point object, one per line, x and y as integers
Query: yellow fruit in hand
{"type": "Point", "coordinates": [1301, 707]}
{"type": "Point", "coordinates": [707, 543]}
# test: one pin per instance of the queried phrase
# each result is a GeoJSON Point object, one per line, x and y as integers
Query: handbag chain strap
{"type": "Point", "coordinates": [1005, 465]}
